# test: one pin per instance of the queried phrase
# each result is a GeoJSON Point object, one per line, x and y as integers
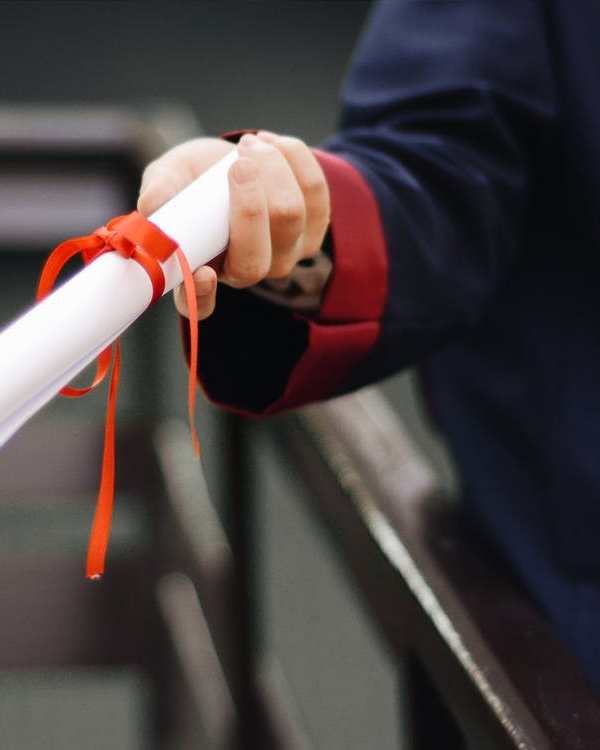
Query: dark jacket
{"type": "Point", "coordinates": [465, 183]}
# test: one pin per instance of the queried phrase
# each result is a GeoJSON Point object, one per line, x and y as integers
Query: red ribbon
{"type": "Point", "coordinates": [134, 237]}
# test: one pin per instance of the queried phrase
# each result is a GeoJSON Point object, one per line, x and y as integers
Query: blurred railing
{"type": "Point", "coordinates": [480, 666]}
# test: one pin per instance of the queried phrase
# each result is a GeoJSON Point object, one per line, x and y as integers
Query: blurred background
{"type": "Point", "coordinates": [89, 92]}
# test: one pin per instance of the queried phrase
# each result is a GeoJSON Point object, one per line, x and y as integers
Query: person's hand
{"type": "Point", "coordinates": [279, 208]}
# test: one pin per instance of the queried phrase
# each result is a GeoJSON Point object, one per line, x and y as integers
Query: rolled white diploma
{"type": "Point", "coordinates": [48, 345]}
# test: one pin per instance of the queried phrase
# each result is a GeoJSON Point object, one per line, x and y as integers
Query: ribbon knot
{"type": "Point", "coordinates": [109, 241]}
{"type": "Point", "coordinates": [135, 238]}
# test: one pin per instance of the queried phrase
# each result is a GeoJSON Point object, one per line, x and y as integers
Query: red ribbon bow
{"type": "Point", "coordinates": [134, 237]}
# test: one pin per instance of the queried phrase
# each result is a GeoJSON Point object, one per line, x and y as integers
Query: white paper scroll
{"type": "Point", "coordinates": [45, 348]}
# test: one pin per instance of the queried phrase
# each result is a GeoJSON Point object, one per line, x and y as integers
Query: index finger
{"type": "Point", "coordinates": [168, 175]}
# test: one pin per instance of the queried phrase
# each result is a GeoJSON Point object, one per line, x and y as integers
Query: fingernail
{"type": "Point", "coordinates": [243, 171]}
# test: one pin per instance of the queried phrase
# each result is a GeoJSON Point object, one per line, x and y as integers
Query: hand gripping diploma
{"type": "Point", "coordinates": [269, 208]}
{"type": "Point", "coordinates": [279, 208]}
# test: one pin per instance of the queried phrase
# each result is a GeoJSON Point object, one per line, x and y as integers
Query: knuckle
{"type": "Point", "coordinates": [251, 210]}
{"type": "Point", "coordinates": [249, 205]}
{"type": "Point", "coordinates": [250, 145]}
{"type": "Point", "coordinates": [247, 272]}
{"type": "Point", "coordinates": [316, 187]}
{"type": "Point", "coordinates": [246, 140]}
{"type": "Point", "coordinates": [289, 212]}
{"type": "Point", "coordinates": [292, 144]}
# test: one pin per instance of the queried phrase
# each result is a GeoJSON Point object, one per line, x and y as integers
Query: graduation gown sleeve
{"type": "Point", "coordinates": [446, 108]}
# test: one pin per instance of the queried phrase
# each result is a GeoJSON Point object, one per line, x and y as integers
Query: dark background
{"type": "Point", "coordinates": [237, 64]}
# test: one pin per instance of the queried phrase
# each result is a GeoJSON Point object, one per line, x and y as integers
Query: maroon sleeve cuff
{"type": "Point", "coordinates": [358, 287]}
{"type": "Point", "coordinates": [316, 354]}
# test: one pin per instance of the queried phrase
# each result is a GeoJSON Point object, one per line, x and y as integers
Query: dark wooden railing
{"type": "Point", "coordinates": [482, 667]}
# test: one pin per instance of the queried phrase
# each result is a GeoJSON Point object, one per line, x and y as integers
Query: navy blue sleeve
{"type": "Point", "coordinates": [447, 108]}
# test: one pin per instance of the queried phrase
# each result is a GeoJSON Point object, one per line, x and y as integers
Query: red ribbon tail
{"type": "Point", "coordinates": [104, 507]}
{"type": "Point", "coordinates": [190, 294]}
{"type": "Point", "coordinates": [132, 236]}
